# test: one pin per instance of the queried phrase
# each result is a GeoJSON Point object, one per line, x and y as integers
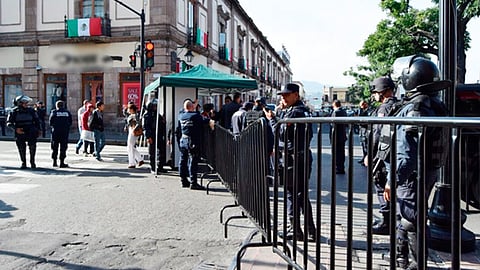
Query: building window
{"type": "Point", "coordinates": [92, 8]}
{"type": "Point", "coordinates": [12, 87]}
{"type": "Point", "coordinates": [55, 89]}
{"type": "Point", "coordinates": [92, 85]}
{"type": "Point", "coordinates": [130, 90]}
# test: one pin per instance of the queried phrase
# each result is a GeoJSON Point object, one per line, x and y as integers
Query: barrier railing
{"type": "Point", "coordinates": [339, 202]}
{"type": "Point", "coordinates": [342, 209]}
{"type": "Point", "coordinates": [241, 163]}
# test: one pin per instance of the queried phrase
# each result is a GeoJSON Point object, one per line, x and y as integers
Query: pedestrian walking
{"type": "Point", "coordinates": [26, 125]}
{"type": "Point", "coordinates": [80, 111]}
{"type": "Point", "coordinates": [340, 133]}
{"type": "Point", "coordinates": [97, 126]}
{"type": "Point", "coordinates": [60, 122]}
{"type": "Point", "coordinates": [87, 134]}
{"type": "Point", "coordinates": [134, 156]}
{"type": "Point", "coordinates": [296, 196]}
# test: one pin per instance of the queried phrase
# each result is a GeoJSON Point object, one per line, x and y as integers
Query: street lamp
{"type": "Point", "coordinates": [189, 56]}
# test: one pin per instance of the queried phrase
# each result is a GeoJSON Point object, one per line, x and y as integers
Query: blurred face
{"type": "Point", "coordinates": [289, 99]}
{"type": "Point", "coordinates": [377, 96]}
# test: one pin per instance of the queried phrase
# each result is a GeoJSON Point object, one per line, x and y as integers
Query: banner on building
{"type": "Point", "coordinates": [131, 93]}
{"type": "Point", "coordinates": [84, 27]}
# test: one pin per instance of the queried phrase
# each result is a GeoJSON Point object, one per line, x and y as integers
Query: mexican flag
{"type": "Point", "coordinates": [84, 27]}
{"type": "Point", "coordinates": [202, 38]}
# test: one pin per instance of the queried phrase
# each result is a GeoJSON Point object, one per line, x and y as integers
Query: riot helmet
{"type": "Point", "coordinates": [21, 99]}
{"type": "Point", "coordinates": [421, 72]}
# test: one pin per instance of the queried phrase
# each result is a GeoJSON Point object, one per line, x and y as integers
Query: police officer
{"type": "Point", "coordinates": [191, 126]}
{"type": "Point", "coordinates": [295, 108]}
{"type": "Point", "coordinates": [3, 120]}
{"type": "Point", "coordinates": [60, 122]}
{"type": "Point", "coordinates": [383, 92]}
{"type": "Point", "coordinates": [26, 125]}
{"type": "Point", "coordinates": [420, 81]}
{"type": "Point", "coordinates": [41, 112]}
{"type": "Point", "coordinates": [155, 138]}
{"type": "Point", "coordinates": [340, 135]}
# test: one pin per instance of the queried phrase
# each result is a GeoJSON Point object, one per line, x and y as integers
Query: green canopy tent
{"type": "Point", "coordinates": [204, 80]}
{"type": "Point", "coordinates": [204, 77]}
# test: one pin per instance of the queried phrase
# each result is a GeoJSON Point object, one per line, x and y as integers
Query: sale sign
{"type": "Point", "coordinates": [131, 93]}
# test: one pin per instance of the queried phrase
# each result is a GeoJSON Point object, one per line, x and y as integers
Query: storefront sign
{"type": "Point", "coordinates": [131, 93]}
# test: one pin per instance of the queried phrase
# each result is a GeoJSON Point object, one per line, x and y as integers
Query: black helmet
{"type": "Point", "coordinates": [21, 99]}
{"type": "Point", "coordinates": [420, 72]}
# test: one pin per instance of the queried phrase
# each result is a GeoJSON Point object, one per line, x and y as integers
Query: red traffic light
{"type": "Point", "coordinates": [149, 46]}
{"type": "Point", "coordinates": [133, 60]}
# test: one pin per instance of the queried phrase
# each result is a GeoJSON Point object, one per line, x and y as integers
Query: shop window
{"type": "Point", "coordinates": [12, 87]}
{"type": "Point", "coordinates": [55, 89]}
{"type": "Point", "coordinates": [92, 87]}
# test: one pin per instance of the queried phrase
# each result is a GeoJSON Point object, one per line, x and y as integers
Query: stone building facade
{"type": "Point", "coordinates": [79, 49]}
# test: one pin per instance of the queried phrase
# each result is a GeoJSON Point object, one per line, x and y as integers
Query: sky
{"type": "Point", "coordinates": [323, 37]}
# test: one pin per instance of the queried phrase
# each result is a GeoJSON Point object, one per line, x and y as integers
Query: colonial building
{"type": "Point", "coordinates": [82, 49]}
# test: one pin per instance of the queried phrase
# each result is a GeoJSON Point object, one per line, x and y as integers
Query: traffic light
{"type": "Point", "coordinates": [149, 61]}
{"type": "Point", "coordinates": [133, 60]}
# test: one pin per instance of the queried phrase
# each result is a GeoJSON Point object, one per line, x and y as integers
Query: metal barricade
{"type": "Point", "coordinates": [344, 215]}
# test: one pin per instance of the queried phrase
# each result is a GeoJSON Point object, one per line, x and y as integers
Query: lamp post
{"type": "Point", "coordinates": [189, 56]}
{"type": "Point", "coordinates": [142, 46]}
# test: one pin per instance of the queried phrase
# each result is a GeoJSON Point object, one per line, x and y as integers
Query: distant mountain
{"type": "Point", "coordinates": [313, 89]}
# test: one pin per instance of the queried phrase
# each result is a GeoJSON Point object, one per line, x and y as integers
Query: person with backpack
{"type": "Point", "coordinates": [421, 83]}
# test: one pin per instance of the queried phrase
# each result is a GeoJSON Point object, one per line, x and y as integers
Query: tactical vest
{"type": "Point", "coordinates": [436, 144]}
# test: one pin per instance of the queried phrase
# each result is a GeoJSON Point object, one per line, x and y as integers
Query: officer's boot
{"type": "Point", "coordinates": [383, 226]}
{"type": "Point", "coordinates": [55, 163]}
{"type": "Point", "coordinates": [412, 243]}
{"type": "Point", "coordinates": [293, 230]}
{"type": "Point", "coordinates": [63, 164]}
{"type": "Point", "coordinates": [33, 149]}
{"type": "Point", "coordinates": [23, 157]}
{"type": "Point", "coordinates": [402, 248]}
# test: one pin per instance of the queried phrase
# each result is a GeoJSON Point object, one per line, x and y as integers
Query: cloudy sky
{"type": "Point", "coordinates": [323, 36]}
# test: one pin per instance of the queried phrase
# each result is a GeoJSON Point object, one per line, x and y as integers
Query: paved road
{"type": "Point", "coordinates": [101, 215]}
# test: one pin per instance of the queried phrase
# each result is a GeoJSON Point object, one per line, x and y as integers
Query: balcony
{"type": "Point", "coordinates": [87, 27]}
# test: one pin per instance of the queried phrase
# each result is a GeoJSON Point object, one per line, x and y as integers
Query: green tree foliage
{"type": "Point", "coordinates": [408, 31]}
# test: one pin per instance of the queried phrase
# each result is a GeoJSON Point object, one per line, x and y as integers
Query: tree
{"type": "Point", "coordinates": [408, 31]}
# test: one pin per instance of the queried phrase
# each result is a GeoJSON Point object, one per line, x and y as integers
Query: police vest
{"type": "Point", "coordinates": [436, 144]}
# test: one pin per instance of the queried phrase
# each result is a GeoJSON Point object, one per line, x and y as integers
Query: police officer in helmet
{"type": "Point", "coordinates": [421, 83]}
{"type": "Point", "coordinates": [26, 125]}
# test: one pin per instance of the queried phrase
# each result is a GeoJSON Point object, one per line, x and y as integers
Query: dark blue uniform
{"type": "Point", "coordinates": [302, 176]}
{"type": "Point", "coordinates": [416, 105]}
{"type": "Point", "coordinates": [191, 126]}
{"type": "Point", "coordinates": [27, 120]}
{"type": "Point", "coordinates": [380, 174]}
{"type": "Point", "coordinates": [341, 136]}
{"type": "Point", "coordinates": [150, 120]}
{"type": "Point", "coordinates": [60, 122]}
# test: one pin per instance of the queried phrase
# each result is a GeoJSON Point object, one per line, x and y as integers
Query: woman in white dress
{"type": "Point", "coordinates": [134, 157]}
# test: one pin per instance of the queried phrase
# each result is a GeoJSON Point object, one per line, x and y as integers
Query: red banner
{"type": "Point", "coordinates": [131, 92]}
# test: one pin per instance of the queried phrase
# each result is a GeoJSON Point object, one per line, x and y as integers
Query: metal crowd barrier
{"type": "Point", "coordinates": [329, 248]}
{"type": "Point", "coordinates": [241, 163]}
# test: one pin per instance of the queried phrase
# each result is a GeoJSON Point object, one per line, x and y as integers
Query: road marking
{"type": "Point", "coordinates": [15, 188]}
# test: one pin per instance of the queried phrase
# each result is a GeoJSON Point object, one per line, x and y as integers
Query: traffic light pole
{"type": "Point", "coordinates": [142, 46]}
